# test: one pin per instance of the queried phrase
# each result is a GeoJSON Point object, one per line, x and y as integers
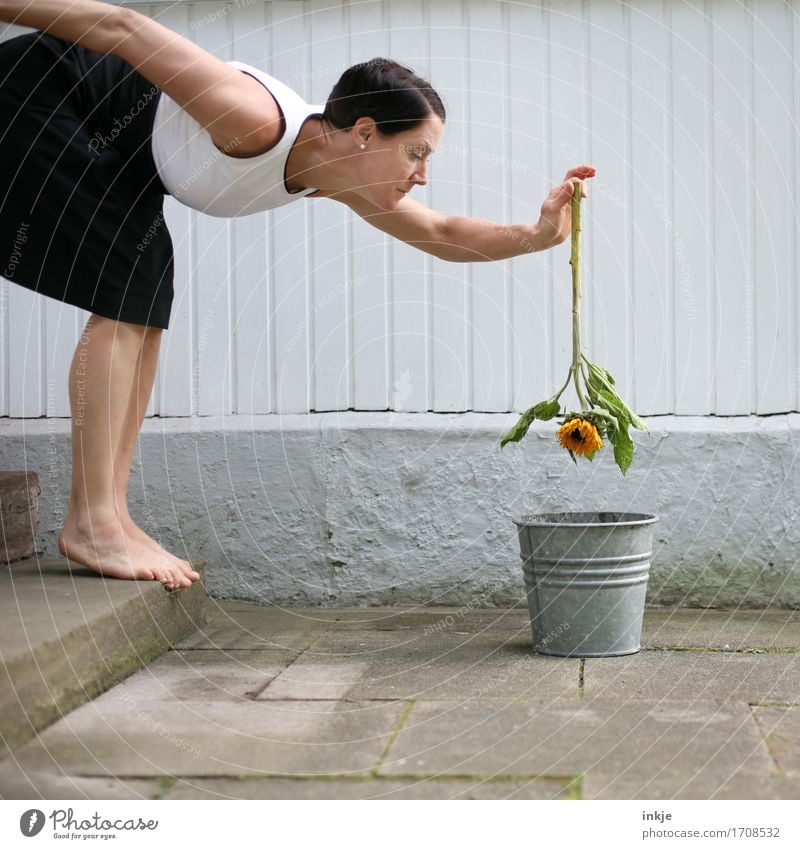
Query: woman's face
{"type": "Point", "coordinates": [393, 165]}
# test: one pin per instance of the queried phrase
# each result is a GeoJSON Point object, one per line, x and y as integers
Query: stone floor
{"type": "Point", "coordinates": [438, 703]}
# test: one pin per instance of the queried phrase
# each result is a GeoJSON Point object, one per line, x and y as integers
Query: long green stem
{"type": "Point", "coordinates": [566, 384]}
{"type": "Point", "coordinates": [575, 262]}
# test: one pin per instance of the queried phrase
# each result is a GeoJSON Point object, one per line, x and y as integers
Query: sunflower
{"type": "Point", "coordinates": [580, 436]}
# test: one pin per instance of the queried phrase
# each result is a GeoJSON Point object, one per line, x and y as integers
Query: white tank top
{"type": "Point", "coordinates": [199, 175]}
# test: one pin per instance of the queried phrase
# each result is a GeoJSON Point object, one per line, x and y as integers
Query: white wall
{"type": "Point", "coordinates": [687, 109]}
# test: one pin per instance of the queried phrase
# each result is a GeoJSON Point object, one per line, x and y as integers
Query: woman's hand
{"type": "Point", "coordinates": [555, 222]}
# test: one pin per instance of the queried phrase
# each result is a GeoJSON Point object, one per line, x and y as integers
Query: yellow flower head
{"type": "Point", "coordinates": [580, 436]}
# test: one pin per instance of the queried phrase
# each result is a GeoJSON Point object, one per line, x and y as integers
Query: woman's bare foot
{"type": "Point", "coordinates": [140, 535]}
{"type": "Point", "coordinates": [104, 547]}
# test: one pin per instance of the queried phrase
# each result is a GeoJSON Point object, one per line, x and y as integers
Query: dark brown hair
{"type": "Point", "coordinates": [392, 95]}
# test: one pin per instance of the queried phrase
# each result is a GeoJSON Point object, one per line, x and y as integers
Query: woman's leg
{"type": "Point", "coordinates": [101, 379]}
{"type": "Point", "coordinates": [144, 376]}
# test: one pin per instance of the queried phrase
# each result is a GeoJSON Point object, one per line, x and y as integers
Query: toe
{"type": "Point", "coordinates": [163, 576]}
{"type": "Point", "coordinates": [190, 573]}
{"type": "Point", "coordinates": [179, 580]}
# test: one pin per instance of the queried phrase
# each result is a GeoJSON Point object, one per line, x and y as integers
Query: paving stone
{"type": "Point", "coordinates": [432, 620]}
{"type": "Point", "coordinates": [668, 785]}
{"type": "Point", "coordinates": [734, 676]}
{"type": "Point", "coordinates": [240, 626]}
{"type": "Point", "coordinates": [141, 737]}
{"type": "Point", "coordinates": [721, 629]}
{"type": "Point", "coordinates": [187, 675]}
{"type": "Point", "coordinates": [420, 620]}
{"type": "Point", "coordinates": [710, 740]}
{"type": "Point", "coordinates": [435, 645]}
{"type": "Point", "coordinates": [18, 784]}
{"type": "Point", "coordinates": [407, 788]}
{"type": "Point", "coordinates": [462, 677]}
{"type": "Point", "coordinates": [305, 681]}
{"type": "Point", "coordinates": [780, 726]}
{"type": "Point", "coordinates": [729, 630]}
{"type": "Point", "coordinates": [447, 665]}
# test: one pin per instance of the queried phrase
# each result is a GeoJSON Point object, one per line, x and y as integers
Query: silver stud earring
{"type": "Point", "coordinates": [363, 147]}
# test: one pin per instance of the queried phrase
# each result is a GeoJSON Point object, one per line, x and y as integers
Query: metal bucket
{"type": "Point", "coordinates": [586, 578]}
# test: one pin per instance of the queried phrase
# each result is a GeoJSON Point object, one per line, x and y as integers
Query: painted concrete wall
{"type": "Point", "coordinates": [368, 508]}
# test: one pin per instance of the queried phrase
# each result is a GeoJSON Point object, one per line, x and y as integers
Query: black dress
{"type": "Point", "coordinates": [81, 215]}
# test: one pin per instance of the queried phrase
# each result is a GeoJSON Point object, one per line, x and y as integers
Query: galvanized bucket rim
{"type": "Point", "coordinates": [584, 519]}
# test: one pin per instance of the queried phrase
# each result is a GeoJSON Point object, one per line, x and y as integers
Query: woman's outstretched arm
{"type": "Point", "coordinates": [238, 112]}
{"type": "Point", "coordinates": [459, 239]}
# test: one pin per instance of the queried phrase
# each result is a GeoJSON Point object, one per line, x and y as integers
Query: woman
{"type": "Point", "coordinates": [106, 112]}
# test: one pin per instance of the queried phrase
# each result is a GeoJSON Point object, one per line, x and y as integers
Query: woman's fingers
{"type": "Point", "coordinates": [565, 190]}
{"type": "Point", "coordinates": [582, 172]}
{"type": "Point", "coordinates": [573, 182]}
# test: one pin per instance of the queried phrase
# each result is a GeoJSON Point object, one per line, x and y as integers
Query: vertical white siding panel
{"type": "Point", "coordinates": [292, 312]}
{"type": "Point", "coordinates": [774, 231]}
{"type": "Point", "coordinates": [607, 286]}
{"type": "Point", "coordinates": [490, 170]}
{"type": "Point", "coordinates": [650, 289]}
{"type": "Point", "coordinates": [567, 116]}
{"type": "Point", "coordinates": [22, 362]}
{"type": "Point", "coordinates": [371, 285]}
{"type": "Point", "coordinates": [530, 180]}
{"type": "Point", "coordinates": [449, 193]}
{"type": "Point", "coordinates": [177, 380]}
{"type": "Point", "coordinates": [212, 270]}
{"type": "Point", "coordinates": [409, 282]}
{"type": "Point", "coordinates": [26, 346]}
{"type": "Point", "coordinates": [688, 224]}
{"type": "Point", "coordinates": [61, 336]}
{"type": "Point", "coordinates": [250, 44]}
{"type": "Point", "coordinates": [730, 208]}
{"type": "Point", "coordinates": [330, 271]}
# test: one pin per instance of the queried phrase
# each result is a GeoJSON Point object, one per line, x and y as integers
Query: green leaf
{"type": "Point", "coordinates": [595, 384]}
{"type": "Point", "coordinates": [546, 410]}
{"type": "Point", "coordinates": [614, 404]}
{"type": "Point", "coordinates": [623, 448]}
{"type": "Point", "coordinates": [601, 382]}
{"type": "Point", "coordinates": [599, 371]}
{"type": "Point", "coordinates": [627, 412]}
{"type": "Point", "coordinates": [637, 422]}
{"type": "Point", "coordinates": [517, 431]}
{"type": "Point", "coordinates": [604, 418]}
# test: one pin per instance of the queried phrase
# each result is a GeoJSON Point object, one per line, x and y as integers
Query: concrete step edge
{"type": "Point", "coordinates": [69, 634]}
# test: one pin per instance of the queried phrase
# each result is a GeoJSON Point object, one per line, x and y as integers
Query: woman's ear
{"type": "Point", "coordinates": [363, 130]}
